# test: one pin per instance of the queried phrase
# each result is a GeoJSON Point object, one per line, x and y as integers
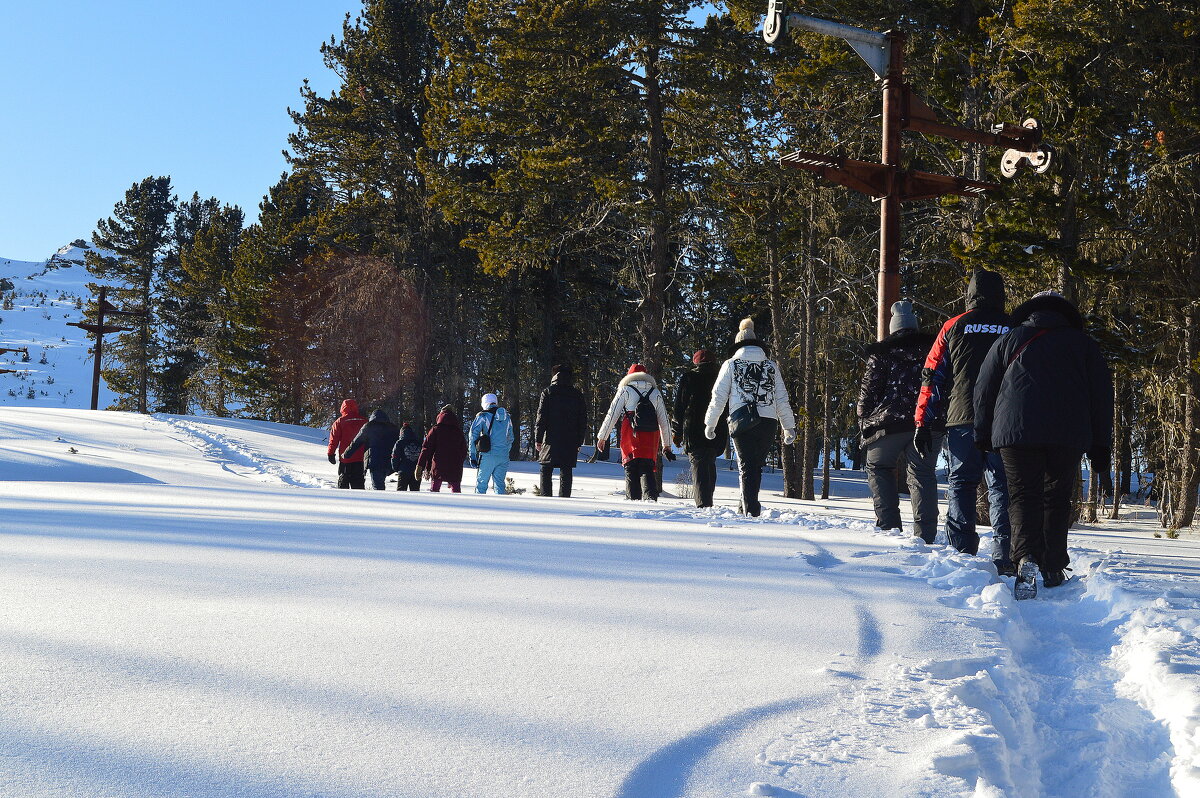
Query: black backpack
{"type": "Point", "coordinates": [645, 417]}
{"type": "Point", "coordinates": [484, 443]}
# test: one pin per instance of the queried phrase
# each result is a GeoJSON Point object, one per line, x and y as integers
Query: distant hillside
{"type": "Point", "coordinates": [36, 302]}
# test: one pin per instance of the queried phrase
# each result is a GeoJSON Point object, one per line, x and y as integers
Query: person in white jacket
{"type": "Point", "coordinates": [641, 433]}
{"type": "Point", "coordinates": [752, 381]}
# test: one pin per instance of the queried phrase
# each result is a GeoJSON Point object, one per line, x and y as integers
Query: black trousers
{"type": "Point", "coordinates": [1040, 483]}
{"type": "Point", "coordinates": [640, 478]}
{"type": "Point", "coordinates": [405, 480]}
{"type": "Point", "coordinates": [564, 481]}
{"type": "Point", "coordinates": [704, 475]}
{"type": "Point", "coordinates": [352, 475]}
{"type": "Point", "coordinates": [752, 448]}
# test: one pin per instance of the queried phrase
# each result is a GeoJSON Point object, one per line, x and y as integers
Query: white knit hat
{"type": "Point", "coordinates": [489, 401]}
{"type": "Point", "coordinates": [745, 331]}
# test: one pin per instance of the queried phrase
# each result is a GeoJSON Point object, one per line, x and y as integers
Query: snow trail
{"type": "Point", "coordinates": [238, 457]}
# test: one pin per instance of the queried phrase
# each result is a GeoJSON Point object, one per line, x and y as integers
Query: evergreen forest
{"type": "Point", "coordinates": [499, 186]}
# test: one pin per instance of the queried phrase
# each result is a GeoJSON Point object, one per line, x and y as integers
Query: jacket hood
{"type": "Point", "coordinates": [408, 434]}
{"type": "Point", "coordinates": [379, 415]}
{"type": "Point", "coordinates": [350, 408]}
{"type": "Point", "coordinates": [1038, 309]}
{"type": "Point", "coordinates": [707, 367]}
{"type": "Point", "coordinates": [448, 418]}
{"type": "Point", "coordinates": [636, 376]}
{"type": "Point", "coordinates": [500, 413]}
{"type": "Point", "coordinates": [986, 290]}
{"type": "Point", "coordinates": [903, 339]}
{"type": "Point", "coordinates": [562, 378]}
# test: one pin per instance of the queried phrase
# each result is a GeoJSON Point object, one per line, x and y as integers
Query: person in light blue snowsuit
{"type": "Point", "coordinates": [495, 427]}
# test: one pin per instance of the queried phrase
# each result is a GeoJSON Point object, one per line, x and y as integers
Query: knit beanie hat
{"type": "Point", "coordinates": [635, 368]}
{"type": "Point", "coordinates": [489, 401]}
{"type": "Point", "coordinates": [702, 356]}
{"type": "Point", "coordinates": [745, 332]}
{"type": "Point", "coordinates": [903, 316]}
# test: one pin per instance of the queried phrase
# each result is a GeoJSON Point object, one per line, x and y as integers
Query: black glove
{"type": "Point", "coordinates": [983, 444]}
{"type": "Point", "coordinates": [1106, 484]}
{"type": "Point", "coordinates": [1101, 460]}
{"type": "Point", "coordinates": [923, 441]}
{"type": "Point", "coordinates": [670, 455]}
{"type": "Point", "coordinates": [474, 463]}
{"type": "Point", "coordinates": [333, 459]}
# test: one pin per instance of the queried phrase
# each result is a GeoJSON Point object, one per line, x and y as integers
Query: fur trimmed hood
{"type": "Point", "coordinates": [637, 376]}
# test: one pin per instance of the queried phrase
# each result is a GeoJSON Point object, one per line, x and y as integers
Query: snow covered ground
{"type": "Point", "coordinates": [188, 611]}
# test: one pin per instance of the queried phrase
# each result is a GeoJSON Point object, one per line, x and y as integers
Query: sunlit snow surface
{"type": "Point", "coordinates": [188, 610]}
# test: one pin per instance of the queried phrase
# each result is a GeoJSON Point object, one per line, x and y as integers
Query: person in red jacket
{"type": "Point", "coordinates": [443, 452]}
{"type": "Point", "coordinates": [347, 425]}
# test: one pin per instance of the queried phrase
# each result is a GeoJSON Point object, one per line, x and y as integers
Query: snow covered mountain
{"type": "Point", "coordinates": [188, 611]}
{"type": "Point", "coordinates": [39, 299]}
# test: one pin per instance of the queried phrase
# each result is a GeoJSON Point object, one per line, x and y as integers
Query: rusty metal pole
{"type": "Point", "coordinates": [98, 350]}
{"type": "Point", "coordinates": [889, 206]}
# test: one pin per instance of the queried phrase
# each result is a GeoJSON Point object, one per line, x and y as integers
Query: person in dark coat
{"type": "Point", "coordinates": [376, 439]}
{"type": "Point", "coordinates": [945, 403]}
{"type": "Point", "coordinates": [345, 427]}
{"type": "Point", "coordinates": [1044, 398]}
{"type": "Point", "coordinates": [887, 398]}
{"type": "Point", "coordinates": [404, 458]}
{"type": "Point", "coordinates": [691, 401]}
{"type": "Point", "coordinates": [559, 430]}
{"type": "Point", "coordinates": [443, 452]}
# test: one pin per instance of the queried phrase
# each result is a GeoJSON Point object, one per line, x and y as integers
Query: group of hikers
{"type": "Point", "coordinates": [1017, 399]}
{"type": "Point", "coordinates": [743, 399]}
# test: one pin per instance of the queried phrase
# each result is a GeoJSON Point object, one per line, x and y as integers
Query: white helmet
{"type": "Point", "coordinates": [489, 401]}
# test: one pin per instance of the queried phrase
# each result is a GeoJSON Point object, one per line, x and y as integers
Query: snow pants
{"type": "Point", "coordinates": [641, 479]}
{"type": "Point", "coordinates": [1041, 481]}
{"type": "Point", "coordinates": [495, 469]}
{"type": "Point", "coordinates": [882, 456]}
{"type": "Point", "coordinates": [704, 474]}
{"type": "Point", "coordinates": [378, 478]}
{"type": "Point", "coordinates": [435, 486]}
{"type": "Point", "coordinates": [352, 475]}
{"type": "Point", "coordinates": [406, 480]}
{"type": "Point", "coordinates": [546, 485]}
{"type": "Point", "coordinates": [752, 448]}
{"type": "Point", "coordinates": [967, 466]}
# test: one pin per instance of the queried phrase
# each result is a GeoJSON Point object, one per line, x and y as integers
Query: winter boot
{"type": "Point", "coordinates": [1053, 578]}
{"type": "Point", "coordinates": [1026, 585]}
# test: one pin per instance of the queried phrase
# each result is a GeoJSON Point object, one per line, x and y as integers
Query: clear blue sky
{"type": "Point", "coordinates": [96, 96]}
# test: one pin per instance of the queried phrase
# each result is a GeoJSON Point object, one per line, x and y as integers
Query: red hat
{"type": "Point", "coordinates": [702, 356]}
{"type": "Point", "coordinates": [635, 368]}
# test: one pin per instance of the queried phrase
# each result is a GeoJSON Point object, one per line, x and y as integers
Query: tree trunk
{"type": "Point", "coordinates": [1190, 437]}
{"type": "Point", "coordinates": [658, 266]}
{"type": "Point", "coordinates": [778, 346]}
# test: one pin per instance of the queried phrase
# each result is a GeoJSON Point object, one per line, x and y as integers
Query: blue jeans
{"type": "Point", "coordinates": [967, 466]}
{"type": "Point", "coordinates": [495, 469]}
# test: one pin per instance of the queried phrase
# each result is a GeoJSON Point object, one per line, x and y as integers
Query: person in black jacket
{"type": "Point", "coordinates": [1044, 397]}
{"type": "Point", "coordinates": [378, 435]}
{"type": "Point", "coordinates": [886, 400]}
{"type": "Point", "coordinates": [404, 458]}
{"type": "Point", "coordinates": [947, 390]}
{"type": "Point", "coordinates": [691, 401]}
{"type": "Point", "coordinates": [559, 430]}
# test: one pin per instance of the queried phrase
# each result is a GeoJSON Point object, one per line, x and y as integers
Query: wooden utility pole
{"type": "Point", "coordinates": [100, 330]}
{"type": "Point", "coordinates": [902, 110]}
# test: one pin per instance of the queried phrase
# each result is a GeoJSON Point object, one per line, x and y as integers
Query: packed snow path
{"type": "Point", "coordinates": [185, 615]}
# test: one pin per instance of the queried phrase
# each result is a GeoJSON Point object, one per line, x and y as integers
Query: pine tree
{"type": "Point", "coordinates": [137, 234]}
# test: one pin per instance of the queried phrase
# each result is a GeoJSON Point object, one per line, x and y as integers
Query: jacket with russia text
{"type": "Point", "coordinates": [344, 429]}
{"type": "Point", "coordinates": [948, 379]}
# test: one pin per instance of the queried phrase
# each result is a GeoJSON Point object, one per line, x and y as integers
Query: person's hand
{"type": "Point", "coordinates": [333, 459]}
{"type": "Point", "coordinates": [474, 462]}
{"type": "Point", "coordinates": [675, 440]}
{"type": "Point", "coordinates": [670, 455]}
{"type": "Point", "coordinates": [983, 444]}
{"type": "Point", "coordinates": [923, 441]}
{"type": "Point", "coordinates": [789, 436]}
{"type": "Point", "coordinates": [601, 445]}
{"type": "Point", "coordinates": [710, 433]}
{"type": "Point", "coordinates": [417, 474]}
{"type": "Point", "coordinates": [1106, 484]}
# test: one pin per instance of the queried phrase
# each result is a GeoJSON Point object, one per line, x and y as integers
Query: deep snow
{"type": "Point", "coordinates": [189, 612]}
